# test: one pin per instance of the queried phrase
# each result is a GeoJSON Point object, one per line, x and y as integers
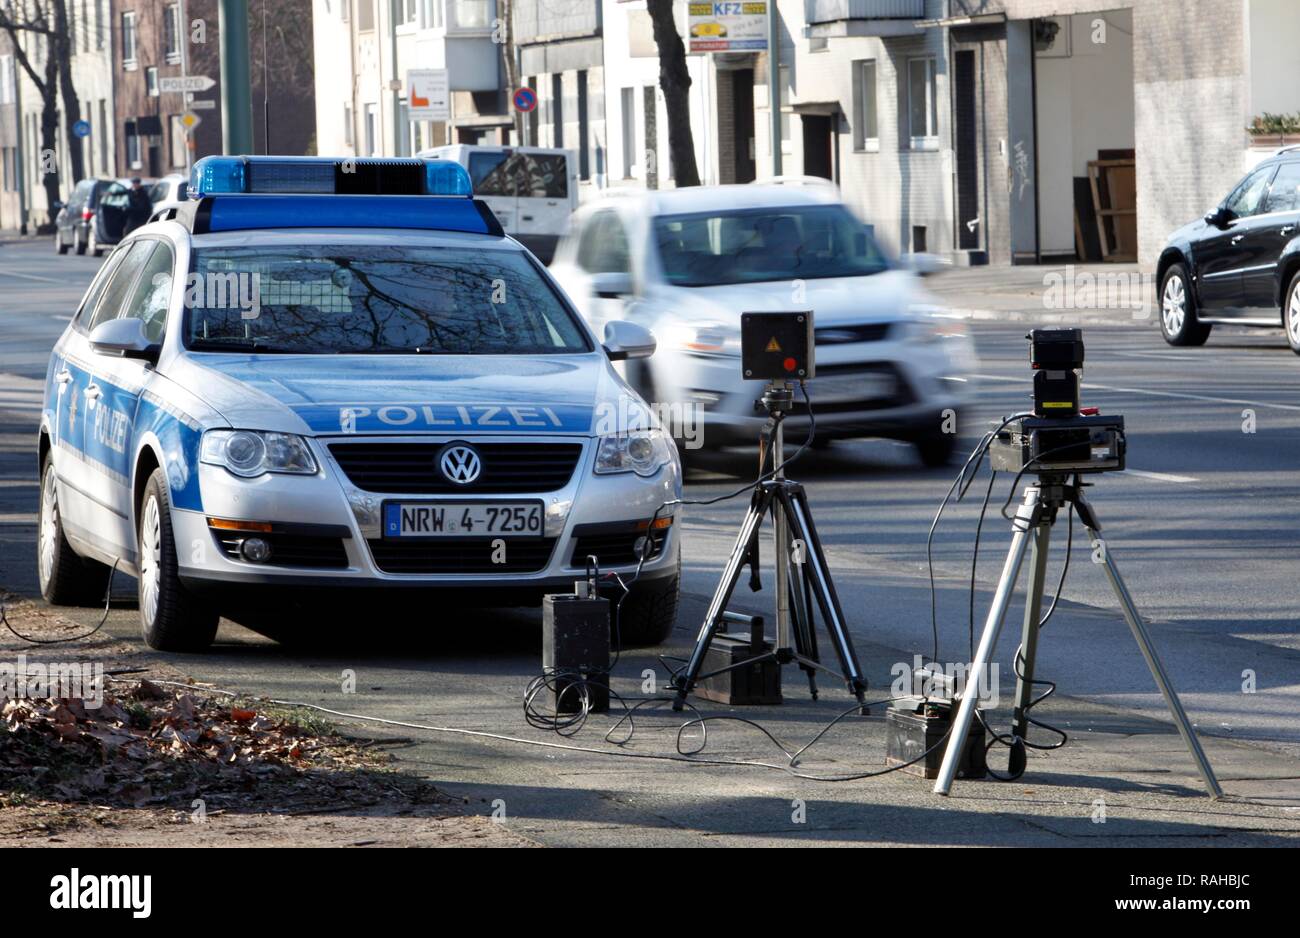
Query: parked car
{"type": "Point", "coordinates": [94, 217]}
{"type": "Point", "coordinates": [1240, 264]}
{"type": "Point", "coordinates": [169, 192]}
{"type": "Point", "coordinates": [686, 263]}
{"type": "Point", "coordinates": [379, 422]}
{"type": "Point", "coordinates": [533, 191]}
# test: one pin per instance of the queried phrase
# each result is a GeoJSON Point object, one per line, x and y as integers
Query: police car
{"type": "Point", "coordinates": [325, 373]}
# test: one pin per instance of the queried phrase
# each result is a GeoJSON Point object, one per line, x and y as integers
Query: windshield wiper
{"type": "Point", "coordinates": [253, 345]}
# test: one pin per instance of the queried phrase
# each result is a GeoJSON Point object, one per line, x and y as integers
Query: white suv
{"type": "Point", "coordinates": [686, 263]}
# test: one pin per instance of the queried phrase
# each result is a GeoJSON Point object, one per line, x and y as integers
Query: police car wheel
{"type": "Point", "coordinates": [171, 617]}
{"type": "Point", "coordinates": [65, 578]}
{"type": "Point", "coordinates": [649, 612]}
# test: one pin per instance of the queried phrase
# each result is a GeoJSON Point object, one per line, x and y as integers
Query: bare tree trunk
{"type": "Point", "coordinates": [50, 135]}
{"type": "Point", "coordinates": [60, 51]}
{"type": "Point", "coordinates": [675, 80]}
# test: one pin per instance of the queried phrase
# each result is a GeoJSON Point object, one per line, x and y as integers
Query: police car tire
{"type": "Point", "coordinates": [72, 580]}
{"type": "Point", "coordinates": [649, 612]}
{"type": "Point", "coordinates": [181, 621]}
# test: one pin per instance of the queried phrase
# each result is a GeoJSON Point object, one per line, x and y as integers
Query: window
{"type": "Point", "coordinates": [101, 23]}
{"type": "Point", "coordinates": [1246, 198]}
{"type": "Point", "coordinates": [152, 294]}
{"type": "Point", "coordinates": [584, 140]}
{"type": "Point", "coordinates": [923, 119]}
{"type": "Point", "coordinates": [519, 175]}
{"type": "Point", "coordinates": [866, 133]}
{"type": "Point", "coordinates": [365, 15]}
{"type": "Point", "coordinates": [87, 309]}
{"type": "Point", "coordinates": [123, 279]}
{"type": "Point", "coordinates": [1284, 194]}
{"type": "Point", "coordinates": [172, 33]}
{"type": "Point", "coordinates": [383, 298]}
{"type": "Point", "coordinates": [408, 12]}
{"type": "Point", "coordinates": [104, 165]}
{"type": "Point", "coordinates": [132, 150]}
{"type": "Point", "coordinates": [178, 138]}
{"type": "Point", "coordinates": [473, 14]}
{"type": "Point", "coordinates": [628, 98]}
{"type": "Point", "coordinates": [128, 40]}
{"type": "Point", "coordinates": [602, 249]}
{"type": "Point", "coordinates": [6, 79]}
{"type": "Point", "coordinates": [372, 128]}
{"type": "Point", "coordinates": [557, 110]}
{"type": "Point", "coordinates": [431, 15]}
{"type": "Point", "coordinates": [151, 81]}
{"type": "Point", "coordinates": [71, 12]}
{"type": "Point", "coordinates": [347, 125]}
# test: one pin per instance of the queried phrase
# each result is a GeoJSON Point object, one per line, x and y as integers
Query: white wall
{"type": "Point", "coordinates": [1273, 58]}
{"type": "Point", "coordinates": [1084, 104]}
{"type": "Point", "coordinates": [332, 43]}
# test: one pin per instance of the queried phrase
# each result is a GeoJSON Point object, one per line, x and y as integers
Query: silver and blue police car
{"type": "Point", "coordinates": [323, 374]}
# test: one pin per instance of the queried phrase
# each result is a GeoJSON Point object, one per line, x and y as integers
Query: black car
{"type": "Point", "coordinates": [1241, 263]}
{"type": "Point", "coordinates": [94, 217]}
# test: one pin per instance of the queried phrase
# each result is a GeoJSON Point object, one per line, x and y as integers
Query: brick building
{"type": "Point", "coordinates": [155, 39]}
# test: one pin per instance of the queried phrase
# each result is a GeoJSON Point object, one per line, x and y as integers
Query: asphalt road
{"type": "Point", "coordinates": [1203, 527]}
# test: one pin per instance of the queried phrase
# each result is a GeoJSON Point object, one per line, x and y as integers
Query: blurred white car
{"type": "Point", "coordinates": [686, 263]}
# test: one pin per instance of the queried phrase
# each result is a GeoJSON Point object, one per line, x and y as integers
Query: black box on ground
{"type": "Point", "coordinates": [914, 726]}
{"type": "Point", "coordinates": [758, 683]}
{"type": "Point", "coordinates": [575, 644]}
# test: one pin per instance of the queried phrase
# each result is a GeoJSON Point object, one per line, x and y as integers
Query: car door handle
{"type": "Point", "coordinates": [92, 392]}
{"type": "Point", "coordinates": [1237, 238]}
{"type": "Point", "coordinates": [1286, 232]}
{"type": "Point", "coordinates": [63, 377]}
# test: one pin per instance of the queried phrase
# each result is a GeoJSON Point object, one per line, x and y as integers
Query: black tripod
{"type": "Point", "coordinates": [795, 541]}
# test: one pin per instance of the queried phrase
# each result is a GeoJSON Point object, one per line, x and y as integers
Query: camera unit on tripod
{"type": "Point", "coordinates": [1060, 436]}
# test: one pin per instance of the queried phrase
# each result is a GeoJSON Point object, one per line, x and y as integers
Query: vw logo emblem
{"type": "Point", "coordinates": [460, 464]}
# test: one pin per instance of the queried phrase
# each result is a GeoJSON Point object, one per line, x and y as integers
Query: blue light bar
{"type": "Point", "coordinates": [263, 212]}
{"type": "Point", "coordinates": [319, 175]}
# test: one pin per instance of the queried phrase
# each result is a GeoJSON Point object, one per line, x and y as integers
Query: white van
{"type": "Point", "coordinates": [532, 190]}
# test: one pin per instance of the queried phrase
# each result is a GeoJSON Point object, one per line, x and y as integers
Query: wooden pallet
{"type": "Point", "coordinates": [1114, 200]}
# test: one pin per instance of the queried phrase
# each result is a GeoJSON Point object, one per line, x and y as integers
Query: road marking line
{"type": "Point", "coordinates": [1159, 476]}
{"type": "Point", "coordinates": [14, 273]}
{"type": "Point", "coordinates": [1174, 394]}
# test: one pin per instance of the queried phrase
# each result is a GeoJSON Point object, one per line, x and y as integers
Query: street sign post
{"type": "Point", "coordinates": [203, 104]}
{"type": "Point", "coordinates": [181, 83]}
{"type": "Point", "coordinates": [428, 94]}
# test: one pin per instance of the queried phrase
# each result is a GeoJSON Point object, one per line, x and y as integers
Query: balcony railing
{"type": "Point", "coordinates": [830, 11]}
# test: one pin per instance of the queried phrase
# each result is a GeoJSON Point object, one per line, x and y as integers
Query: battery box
{"type": "Point", "coordinates": [758, 683]}
{"type": "Point", "coordinates": [914, 725]}
{"type": "Point", "coordinates": [575, 641]}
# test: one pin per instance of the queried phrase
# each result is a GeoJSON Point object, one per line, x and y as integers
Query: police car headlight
{"type": "Point", "coordinates": [644, 452]}
{"type": "Point", "coordinates": [249, 453]}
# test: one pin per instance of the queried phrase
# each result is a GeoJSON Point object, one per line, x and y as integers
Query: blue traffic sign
{"type": "Point", "coordinates": [81, 128]}
{"type": "Point", "coordinates": [525, 99]}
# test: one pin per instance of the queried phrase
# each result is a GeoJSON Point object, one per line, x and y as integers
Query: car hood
{"type": "Point", "coordinates": [884, 297]}
{"type": "Point", "coordinates": [405, 394]}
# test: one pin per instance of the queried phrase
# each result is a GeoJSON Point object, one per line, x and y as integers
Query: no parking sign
{"type": "Point", "coordinates": [525, 99]}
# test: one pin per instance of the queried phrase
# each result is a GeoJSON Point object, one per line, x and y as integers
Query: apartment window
{"type": "Point", "coordinates": [128, 40]}
{"type": "Point", "coordinates": [557, 110]}
{"type": "Point", "coordinates": [71, 12]}
{"type": "Point", "coordinates": [6, 79]}
{"type": "Point", "coordinates": [628, 99]}
{"type": "Point", "coordinates": [431, 14]}
{"type": "Point", "coordinates": [473, 14]}
{"type": "Point", "coordinates": [172, 33]}
{"type": "Point", "coordinates": [132, 148]}
{"type": "Point", "coordinates": [866, 133]}
{"type": "Point", "coordinates": [101, 23]}
{"type": "Point", "coordinates": [408, 11]}
{"type": "Point", "coordinates": [372, 128]}
{"type": "Point", "coordinates": [365, 15]}
{"type": "Point", "coordinates": [105, 167]}
{"type": "Point", "coordinates": [923, 118]}
{"type": "Point", "coordinates": [345, 10]}
{"type": "Point", "coordinates": [347, 125]}
{"type": "Point", "coordinates": [151, 81]}
{"type": "Point", "coordinates": [584, 130]}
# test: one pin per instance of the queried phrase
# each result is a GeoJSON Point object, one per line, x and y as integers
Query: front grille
{"type": "Point", "coordinates": [288, 550]}
{"type": "Point", "coordinates": [412, 468]}
{"type": "Point", "coordinates": [614, 545]}
{"type": "Point", "coordinates": [843, 335]}
{"type": "Point", "coordinates": [461, 555]}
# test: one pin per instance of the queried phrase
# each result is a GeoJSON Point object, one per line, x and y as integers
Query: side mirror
{"type": "Point", "coordinates": [611, 285]}
{"type": "Point", "coordinates": [125, 338]}
{"type": "Point", "coordinates": [1220, 217]}
{"type": "Point", "coordinates": [626, 340]}
{"type": "Point", "coordinates": [923, 265]}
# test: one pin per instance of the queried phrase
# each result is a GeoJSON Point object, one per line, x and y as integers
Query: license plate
{"type": "Point", "coordinates": [863, 386]}
{"type": "Point", "coordinates": [462, 519]}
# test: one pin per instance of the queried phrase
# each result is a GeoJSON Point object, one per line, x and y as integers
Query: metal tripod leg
{"type": "Point", "coordinates": [1026, 521]}
{"type": "Point", "coordinates": [758, 508]}
{"type": "Point", "coordinates": [799, 518]}
{"type": "Point", "coordinates": [1041, 541]}
{"type": "Point", "coordinates": [805, 639]}
{"type": "Point", "coordinates": [1140, 635]}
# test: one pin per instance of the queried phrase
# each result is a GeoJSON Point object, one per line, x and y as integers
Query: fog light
{"type": "Point", "coordinates": [255, 550]}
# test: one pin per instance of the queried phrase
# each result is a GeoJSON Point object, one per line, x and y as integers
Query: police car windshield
{"type": "Point", "coordinates": [756, 245]}
{"type": "Point", "coordinates": [375, 299]}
